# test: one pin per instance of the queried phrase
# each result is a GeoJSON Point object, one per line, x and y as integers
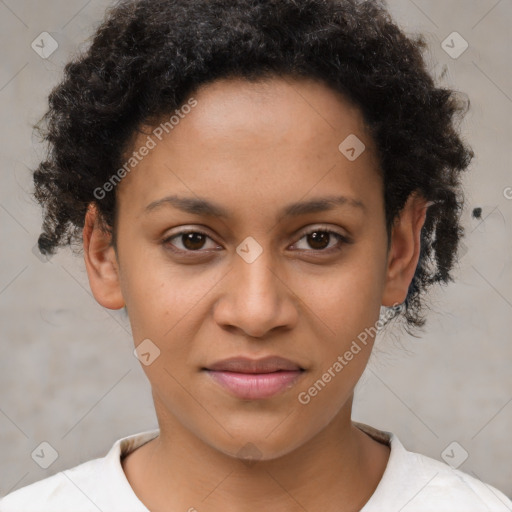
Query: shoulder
{"type": "Point", "coordinates": [413, 482]}
{"type": "Point", "coordinates": [98, 484]}
{"type": "Point", "coordinates": [59, 491]}
{"type": "Point", "coordinates": [443, 486]}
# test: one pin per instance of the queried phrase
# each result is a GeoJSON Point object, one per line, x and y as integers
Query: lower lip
{"type": "Point", "coordinates": [253, 386]}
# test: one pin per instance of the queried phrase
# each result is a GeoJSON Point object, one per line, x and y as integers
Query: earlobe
{"type": "Point", "coordinates": [404, 249]}
{"type": "Point", "coordinates": [101, 262]}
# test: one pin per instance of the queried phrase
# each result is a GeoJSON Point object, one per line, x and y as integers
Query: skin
{"type": "Point", "coordinates": [254, 148]}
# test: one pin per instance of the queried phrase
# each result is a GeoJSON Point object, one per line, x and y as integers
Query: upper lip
{"type": "Point", "coordinates": [247, 365]}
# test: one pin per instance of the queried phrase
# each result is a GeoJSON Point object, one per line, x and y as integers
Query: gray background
{"type": "Point", "coordinates": [67, 372]}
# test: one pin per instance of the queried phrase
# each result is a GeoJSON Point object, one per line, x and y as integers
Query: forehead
{"type": "Point", "coordinates": [302, 107]}
{"type": "Point", "coordinates": [249, 142]}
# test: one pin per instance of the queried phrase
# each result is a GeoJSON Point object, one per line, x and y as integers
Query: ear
{"type": "Point", "coordinates": [101, 262]}
{"type": "Point", "coordinates": [404, 251]}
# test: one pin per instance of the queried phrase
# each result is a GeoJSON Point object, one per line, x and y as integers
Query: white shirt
{"type": "Point", "coordinates": [411, 483]}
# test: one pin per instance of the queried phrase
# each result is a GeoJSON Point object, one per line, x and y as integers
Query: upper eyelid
{"type": "Point", "coordinates": [300, 234]}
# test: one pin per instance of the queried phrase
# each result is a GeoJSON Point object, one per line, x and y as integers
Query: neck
{"type": "Point", "coordinates": [338, 469]}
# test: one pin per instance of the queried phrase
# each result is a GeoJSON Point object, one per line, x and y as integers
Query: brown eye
{"type": "Point", "coordinates": [187, 241]}
{"type": "Point", "coordinates": [193, 241]}
{"type": "Point", "coordinates": [319, 240]}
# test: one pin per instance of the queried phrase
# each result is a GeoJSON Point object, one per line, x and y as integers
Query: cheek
{"type": "Point", "coordinates": [345, 301]}
{"type": "Point", "coordinates": [343, 343]}
{"type": "Point", "coordinates": [159, 295]}
{"type": "Point", "coordinates": [346, 307]}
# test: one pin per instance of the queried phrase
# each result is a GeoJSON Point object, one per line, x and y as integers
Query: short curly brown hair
{"type": "Point", "coordinates": [148, 56]}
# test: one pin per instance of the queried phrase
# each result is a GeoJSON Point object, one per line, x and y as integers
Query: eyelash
{"type": "Point", "coordinates": [341, 239]}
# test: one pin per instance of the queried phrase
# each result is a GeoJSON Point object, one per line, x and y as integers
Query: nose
{"type": "Point", "coordinates": [257, 298]}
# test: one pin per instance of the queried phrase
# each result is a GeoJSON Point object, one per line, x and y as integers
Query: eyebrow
{"type": "Point", "coordinates": [204, 207]}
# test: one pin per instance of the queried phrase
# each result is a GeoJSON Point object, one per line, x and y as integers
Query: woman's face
{"type": "Point", "coordinates": [253, 283]}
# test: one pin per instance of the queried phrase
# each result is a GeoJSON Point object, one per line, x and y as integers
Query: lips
{"type": "Point", "coordinates": [246, 365]}
{"type": "Point", "coordinates": [254, 379]}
